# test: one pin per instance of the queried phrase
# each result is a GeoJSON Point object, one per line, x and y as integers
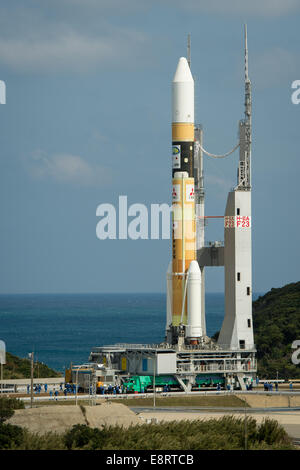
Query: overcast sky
{"type": "Point", "coordinates": [87, 118]}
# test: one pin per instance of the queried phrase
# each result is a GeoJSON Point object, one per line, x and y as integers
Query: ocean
{"type": "Point", "coordinates": [63, 328]}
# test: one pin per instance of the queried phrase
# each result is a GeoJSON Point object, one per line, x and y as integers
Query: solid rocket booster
{"type": "Point", "coordinates": [169, 296]}
{"type": "Point", "coordinates": [184, 242]}
{"type": "Point", "coordinates": [184, 236]}
{"type": "Point", "coordinates": [193, 328]}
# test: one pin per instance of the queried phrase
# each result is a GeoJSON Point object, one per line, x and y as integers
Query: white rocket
{"type": "Point", "coordinates": [183, 276]}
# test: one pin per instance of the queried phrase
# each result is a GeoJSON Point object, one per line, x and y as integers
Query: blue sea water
{"type": "Point", "coordinates": [63, 328]}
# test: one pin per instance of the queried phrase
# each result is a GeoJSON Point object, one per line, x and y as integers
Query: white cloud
{"type": "Point", "coordinates": [76, 35]}
{"type": "Point", "coordinates": [68, 49]}
{"type": "Point", "coordinates": [66, 168]}
{"type": "Point", "coordinates": [81, 35]}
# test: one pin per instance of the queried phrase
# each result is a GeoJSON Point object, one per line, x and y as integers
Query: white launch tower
{"type": "Point", "coordinates": [237, 329]}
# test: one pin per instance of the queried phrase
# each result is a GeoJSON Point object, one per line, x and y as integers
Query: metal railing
{"type": "Point", "coordinates": [190, 368]}
{"type": "Point", "coordinates": [133, 346]}
{"type": "Point", "coordinates": [197, 347]}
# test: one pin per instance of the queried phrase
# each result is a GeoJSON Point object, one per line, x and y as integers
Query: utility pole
{"type": "Point", "coordinates": [31, 355]}
{"type": "Point", "coordinates": [76, 398]}
{"type": "Point", "coordinates": [154, 386]}
{"type": "Point", "coordinates": [1, 378]}
{"type": "Point", "coordinates": [76, 395]}
{"type": "Point", "coordinates": [246, 430]}
{"type": "Point", "coordinates": [2, 360]}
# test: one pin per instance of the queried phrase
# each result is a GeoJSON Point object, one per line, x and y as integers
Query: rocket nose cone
{"type": "Point", "coordinates": [183, 71]}
{"type": "Point", "coordinates": [194, 268]}
{"type": "Point", "coordinates": [183, 94]}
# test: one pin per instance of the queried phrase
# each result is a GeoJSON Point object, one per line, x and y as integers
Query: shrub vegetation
{"type": "Point", "coordinates": [227, 433]}
{"type": "Point", "coordinates": [19, 368]}
{"type": "Point", "coordinates": [276, 322]}
{"type": "Point", "coordinates": [7, 407]}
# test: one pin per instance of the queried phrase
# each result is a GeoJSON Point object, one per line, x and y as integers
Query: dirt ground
{"type": "Point", "coordinates": [60, 418]}
{"type": "Point", "coordinates": [270, 401]}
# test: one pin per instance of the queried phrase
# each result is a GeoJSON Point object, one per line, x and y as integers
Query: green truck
{"type": "Point", "coordinates": [140, 383]}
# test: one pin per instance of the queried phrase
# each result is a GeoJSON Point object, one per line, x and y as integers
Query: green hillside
{"type": "Point", "coordinates": [276, 321]}
{"type": "Point", "coordinates": [18, 368]}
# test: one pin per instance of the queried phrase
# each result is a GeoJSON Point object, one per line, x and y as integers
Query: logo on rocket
{"type": "Point", "coordinates": [190, 194]}
{"type": "Point", "coordinates": [176, 192]}
{"type": "Point", "coordinates": [176, 151]}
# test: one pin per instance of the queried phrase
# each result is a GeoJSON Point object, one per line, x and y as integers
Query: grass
{"type": "Point", "coordinates": [216, 401]}
{"type": "Point", "coordinates": [220, 401]}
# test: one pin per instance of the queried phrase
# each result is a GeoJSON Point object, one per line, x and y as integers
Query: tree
{"type": "Point", "coordinates": [7, 407]}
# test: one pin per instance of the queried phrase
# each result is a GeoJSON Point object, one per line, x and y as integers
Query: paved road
{"type": "Point", "coordinates": [209, 409]}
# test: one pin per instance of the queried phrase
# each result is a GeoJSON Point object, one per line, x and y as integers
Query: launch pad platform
{"type": "Point", "coordinates": [187, 367]}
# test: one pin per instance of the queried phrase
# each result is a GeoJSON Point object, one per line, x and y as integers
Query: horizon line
{"type": "Point", "coordinates": [103, 293]}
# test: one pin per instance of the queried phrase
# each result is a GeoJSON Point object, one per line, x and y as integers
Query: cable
{"type": "Point", "coordinates": [218, 156]}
